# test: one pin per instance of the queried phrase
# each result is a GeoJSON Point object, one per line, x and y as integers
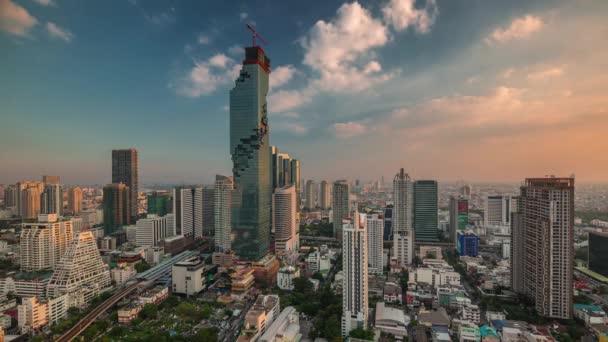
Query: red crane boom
{"type": "Point", "coordinates": [254, 35]}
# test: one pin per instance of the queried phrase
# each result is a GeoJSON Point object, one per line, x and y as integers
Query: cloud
{"type": "Point", "coordinates": [15, 19]}
{"type": "Point", "coordinates": [207, 76]}
{"type": "Point", "coordinates": [204, 39]}
{"type": "Point", "coordinates": [220, 60]}
{"type": "Point", "coordinates": [236, 50]}
{"type": "Point", "coordinates": [162, 18]}
{"type": "Point", "coordinates": [402, 14]}
{"type": "Point", "coordinates": [281, 76]}
{"type": "Point", "coordinates": [58, 32]}
{"type": "Point", "coordinates": [508, 73]}
{"type": "Point", "coordinates": [243, 15]}
{"type": "Point", "coordinates": [349, 129]}
{"type": "Point", "coordinates": [45, 2]}
{"type": "Point", "coordinates": [546, 73]}
{"type": "Point", "coordinates": [286, 100]}
{"type": "Point", "coordinates": [289, 127]}
{"type": "Point", "coordinates": [520, 28]}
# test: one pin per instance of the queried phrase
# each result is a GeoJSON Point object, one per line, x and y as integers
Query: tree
{"type": "Point", "coordinates": [149, 311]}
{"type": "Point", "coordinates": [317, 276]}
{"type": "Point", "coordinates": [206, 335]}
{"type": "Point", "coordinates": [362, 334]}
{"type": "Point", "coordinates": [142, 266]}
{"type": "Point", "coordinates": [302, 285]}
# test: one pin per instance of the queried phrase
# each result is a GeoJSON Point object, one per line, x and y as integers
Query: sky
{"type": "Point", "coordinates": [477, 90]}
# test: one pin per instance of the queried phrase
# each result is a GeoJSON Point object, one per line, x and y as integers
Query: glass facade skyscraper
{"type": "Point", "coordinates": [250, 150]}
{"type": "Point", "coordinates": [425, 210]}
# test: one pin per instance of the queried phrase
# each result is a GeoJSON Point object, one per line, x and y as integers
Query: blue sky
{"type": "Point", "coordinates": [475, 90]}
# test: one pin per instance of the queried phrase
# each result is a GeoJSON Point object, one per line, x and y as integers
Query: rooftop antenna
{"type": "Point", "coordinates": [254, 35]}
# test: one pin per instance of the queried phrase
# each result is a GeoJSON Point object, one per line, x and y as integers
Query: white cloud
{"type": "Point", "coordinates": [546, 73]}
{"type": "Point", "coordinates": [207, 76]}
{"type": "Point", "coordinates": [236, 50]}
{"type": "Point", "coordinates": [520, 28]}
{"type": "Point", "coordinates": [402, 14]}
{"type": "Point", "coordinates": [15, 19]}
{"type": "Point", "coordinates": [58, 32]}
{"type": "Point", "coordinates": [286, 100]}
{"type": "Point", "coordinates": [281, 76]}
{"type": "Point", "coordinates": [508, 73]}
{"type": "Point", "coordinates": [220, 60]}
{"type": "Point", "coordinates": [289, 127]}
{"type": "Point", "coordinates": [204, 39]}
{"type": "Point", "coordinates": [349, 129]}
{"type": "Point", "coordinates": [45, 2]}
{"type": "Point", "coordinates": [243, 15]}
{"type": "Point", "coordinates": [372, 67]}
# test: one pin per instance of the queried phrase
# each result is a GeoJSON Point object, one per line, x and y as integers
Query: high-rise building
{"type": "Point", "coordinates": [465, 191]}
{"type": "Point", "coordinates": [341, 205]}
{"type": "Point", "coordinates": [188, 211]}
{"type": "Point", "coordinates": [284, 219]}
{"type": "Point", "coordinates": [250, 151]}
{"type": "Point", "coordinates": [51, 180]}
{"type": "Point", "coordinates": [28, 198]}
{"type": "Point", "coordinates": [403, 220]}
{"type": "Point", "coordinates": [125, 170]}
{"type": "Point", "coordinates": [295, 180]}
{"type": "Point", "coordinates": [324, 195]}
{"type": "Point", "coordinates": [274, 166]}
{"type": "Point", "coordinates": [10, 196]}
{"type": "Point", "coordinates": [375, 243]}
{"type": "Point", "coordinates": [44, 243]}
{"type": "Point", "coordinates": [467, 244]}
{"type": "Point", "coordinates": [542, 245]}
{"type": "Point", "coordinates": [159, 203]}
{"type": "Point", "coordinates": [459, 216]}
{"type": "Point", "coordinates": [51, 201]}
{"type": "Point", "coordinates": [355, 265]}
{"type": "Point", "coordinates": [498, 209]}
{"type": "Point", "coordinates": [80, 273]}
{"type": "Point", "coordinates": [116, 207]}
{"type": "Point", "coordinates": [222, 213]}
{"type": "Point", "coordinates": [388, 223]}
{"type": "Point", "coordinates": [310, 194]}
{"type": "Point", "coordinates": [598, 253]}
{"type": "Point", "coordinates": [75, 200]}
{"type": "Point", "coordinates": [208, 212]}
{"type": "Point", "coordinates": [425, 210]}
{"type": "Point", "coordinates": [151, 230]}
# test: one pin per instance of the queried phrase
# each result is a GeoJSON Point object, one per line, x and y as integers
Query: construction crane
{"type": "Point", "coordinates": [254, 35]}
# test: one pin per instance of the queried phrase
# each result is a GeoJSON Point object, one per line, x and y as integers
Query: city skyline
{"type": "Point", "coordinates": [518, 81]}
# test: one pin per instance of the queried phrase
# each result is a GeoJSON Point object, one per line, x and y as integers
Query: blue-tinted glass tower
{"type": "Point", "coordinates": [251, 157]}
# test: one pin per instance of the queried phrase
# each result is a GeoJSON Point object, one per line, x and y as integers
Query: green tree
{"type": "Point", "coordinates": [302, 285]}
{"type": "Point", "coordinates": [149, 311]}
{"type": "Point", "coordinates": [362, 334]}
{"type": "Point", "coordinates": [206, 335]}
{"type": "Point", "coordinates": [142, 266]}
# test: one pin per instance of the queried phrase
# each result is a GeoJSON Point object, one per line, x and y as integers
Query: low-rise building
{"type": "Point", "coordinates": [495, 315]}
{"type": "Point", "coordinates": [5, 321]}
{"type": "Point", "coordinates": [286, 328]}
{"type": "Point", "coordinates": [392, 293]}
{"type": "Point", "coordinates": [261, 315]}
{"type": "Point", "coordinates": [313, 262]}
{"type": "Point", "coordinates": [286, 276]}
{"type": "Point", "coordinates": [130, 312]}
{"type": "Point", "coordinates": [32, 315]}
{"type": "Point", "coordinates": [122, 273]}
{"type": "Point", "coordinates": [155, 295]}
{"type": "Point", "coordinates": [391, 320]}
{"type": "Point", "coordinates": [471, 312]}
{"type": "Point", "coordinates": [434, 318]}
{"type": "Point", "coordinates": [468, 332]}
{"type": "Point", "coordinates": [242, 279]}
{"type": "Point", "coordinates": [435, 275]}
{"type": "Point", "coordinates": [265, 271]}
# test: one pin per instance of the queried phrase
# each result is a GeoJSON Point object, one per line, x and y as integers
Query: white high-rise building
{"type": "Point", "coordinates": [222, 213]}
{"type": "Point", "coordinates": [310, 194]}
{"type": "Point", "coordinates": [51, 200]}
{"type": "Point", "coordinates": [324, 195]}
{"type": "Point", "coordinates": [355, 282]}
{"type": "Point", "coordinates": [44, 243]}
{"type": "Point", "coordinates": [80, 273]}
{"type": "Point", "coordinates": [498, 209]}
{"type": "Point", "coordinates": [284, 204]}
{"type": "Point", "coordinates": [403, 212]}
{"type": "Point", "coordinates": [375, 241]}
{"type": "Point", "coordinates": [188, 211]}
{"type": "Point", "coordinates": [341, 205]}
{"type": "Point", "coordinates": [151, 230]}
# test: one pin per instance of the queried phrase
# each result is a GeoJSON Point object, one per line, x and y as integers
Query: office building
{"type": "Point", "coordinates": [159, 203]}
{"type": "Point", "coordinates": [284, 220]}
{"type": "Point", "coordinates": [425, 210]}
{"type": "Point", "coordinates": [116, 207]}
{"type": "Point", "coordinates": [467, 244]}
{"type": "Point", "coordinates": [188, 276]}
{"type": "Point", "coordinates": [295, 180]}
{"type": "Point", "coordinates": [75, 200]}
{"type": "Point", "coordinates": [152, 230]}
{"type": "Point", "coordinates": [55, 180]}
{"type": "Point", "coordinates": [274, 166]}
{"type": "Point", "coordinates": [388, 223]}
{"type": "Point", "coordinates": [324, 195]}
{"type": "Point", "coordinates": [80, 273]}
{"type": "Point", "coordinates": [250, 151]}
{"type": "Point", "coordinates": [28, 198]}
{"type": "Point", "coordinates": [10, 196]}
{"type": "Point", "coordinates": [310, 194]}
{"type": "Point", "coordinates": [209, 212]}
{"type": "Point", "coordinates": [403, 220]}
{"type": "Point", "coordinates": [375, 243]}
{"type": "Point", "coordinates": [355, 283]}
{"type": "Point", "coordinates": [498, 209]}
{"type": "Point", "coordinates": [32, 314]}
{"type": "Point", "coordinates": [598, 253]}
{"type": "Point", "coordinates": [459, 216]}
{"type": "Point", "coordinates": [44, 243]}
{"type": "Point", "coordinates": [341, 205]}
{"type": "Point", "coordinates": [188, 211]}
{"type": "Point", "coordinates": [125, 170]}
{"type": "Point", "coordinates": [51, 200]}
{"type": "Point", "coordinates": [543, 246]}
{"type": "Point", "coordinates": [222, 213]}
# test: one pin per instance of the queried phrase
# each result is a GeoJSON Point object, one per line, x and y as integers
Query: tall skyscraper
{"type": "Point", "coordinates": [80, 272]}
{"type": "Point", "coordinates": [403, 220]}
{"type": "Point", "coordinates": [284, 219]}
{"type": "Point", "coordinates": [116, 207]}
{"type": "Point", "coordinates": [498, 209]}
{"type": "Point", "coordinates": [44, 243]}
{"type": "Point", "coordinates": [355, 265]}
{"type": "Point", "coordinates": [375, 243]}
{"type": "Point", "coordinates": [425, 210]}
{"type": "Point", "coordinates": [51, 201]}
{"type": "Point", "coordinates": [75, 200]}
{"type": "Point", "coordinates": [10, 196]}
{"type": "Point", "coordinates": [543, 245]}
{"type": "Point", "coordinates": [459, 216]}
{"type": "Point", "coordinates": [125, 170]}
{"type": "Point", "coordinates": [324, 195]}
{"type": "Point", "coordinates": [388, 223]}
{"type": "Point", "coordinates": [28, 198]}
{"type": "Point", "coordinates": [51, 180]}
{"type": "Point", "coordinates": [250, 151]}
{"type": "Point", "coordinates": [274, 167]}
{"type": "Point", "coordinates": [310, 194]}
{"type": "Point", "coordinates": [151, 230]}
{"type": "Point", "coordinates": [208, 212]}
{"type": "Point", "coordinates": [295, 180]}
{"type": "Point", "coordinates": [340, 205]}
{"type": "Point", "coordinates": [188, 211]}
{"type": "Point", "coordinates": [598, 253]}
{"type": "Point", "coordinates": [222, 213]}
